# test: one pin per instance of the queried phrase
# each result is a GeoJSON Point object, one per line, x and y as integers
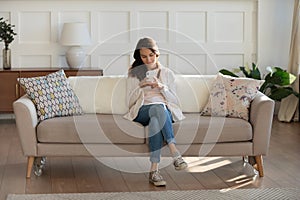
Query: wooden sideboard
{"type": "Point", "coordinates": [10, 90]}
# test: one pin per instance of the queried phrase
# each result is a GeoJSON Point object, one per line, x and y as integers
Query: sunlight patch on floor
{"type": "Point", "coordinates": [204, 164]}
{"type": "Point", "coordinates": [241, 183]}
{"type": "Point", "coordinates": [236, 178]}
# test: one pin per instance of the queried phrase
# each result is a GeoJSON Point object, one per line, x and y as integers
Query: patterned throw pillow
{"type": "Point", "coordinates": [231, 97]}
{"type": "Point", "coordinates": [52, 95]}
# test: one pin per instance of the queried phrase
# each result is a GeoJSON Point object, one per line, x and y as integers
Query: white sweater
{"type": "Point", "coordinates": [135, 95]}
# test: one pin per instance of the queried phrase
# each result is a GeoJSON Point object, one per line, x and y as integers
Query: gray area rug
{"type": "Point", "coordinates": [259, 194]}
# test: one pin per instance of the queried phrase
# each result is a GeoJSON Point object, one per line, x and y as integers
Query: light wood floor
{"type": "Point", "coordinates": [71, 175]}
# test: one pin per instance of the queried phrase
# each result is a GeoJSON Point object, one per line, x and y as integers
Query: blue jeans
{"type": "Point", "coordinates": [159, 119]}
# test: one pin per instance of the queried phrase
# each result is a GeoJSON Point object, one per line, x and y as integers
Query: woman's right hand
{"type": "Point", "coordinates": [145, 82]}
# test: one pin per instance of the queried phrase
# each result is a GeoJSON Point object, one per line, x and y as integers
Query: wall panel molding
{"type": "Point", "coordinates": [195, 36]}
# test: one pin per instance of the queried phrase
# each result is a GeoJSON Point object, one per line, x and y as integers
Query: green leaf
{"type": "Point", "coordinates": [251, 73]}
{"type": "Point", "coordinates": [227, 72]}
{"type": "Point", "coordinates": [282, 78]}
{"type": "Point", "coordinates": [255, 75]}
{"type": "Point", "coordinates": [265, 86]}
{"type": "Point", "coordinates": [279, 93]}
{"type": "Point", "coordinates": [245, 71]}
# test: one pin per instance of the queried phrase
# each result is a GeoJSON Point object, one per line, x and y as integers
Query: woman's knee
{"type": "Point", "coordinates": [158, 110]}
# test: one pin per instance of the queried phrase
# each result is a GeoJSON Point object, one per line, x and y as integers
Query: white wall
{"type": "Point", "coordinates": [196, 36]}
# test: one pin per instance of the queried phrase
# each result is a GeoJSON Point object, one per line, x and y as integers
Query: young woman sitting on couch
{"type": "Point", "coordinates": [152, 102]}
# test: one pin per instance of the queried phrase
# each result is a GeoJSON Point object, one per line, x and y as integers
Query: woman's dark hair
{"type": "Point", "coordinates": [138, 68]}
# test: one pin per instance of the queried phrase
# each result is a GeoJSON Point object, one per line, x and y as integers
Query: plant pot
{"type": "Point", "coordinates": [6, 58]}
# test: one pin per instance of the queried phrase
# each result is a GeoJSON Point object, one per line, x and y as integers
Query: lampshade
{"type": "Point", "coordinates": [75, 34]}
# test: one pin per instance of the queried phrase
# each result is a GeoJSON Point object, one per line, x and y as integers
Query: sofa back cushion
{"type": "Point", "coordinates": [101, 94]}
{"type": "Point", "coordinates": [193, 91]}
{"type": "Point", "coordinates": [107, 94]}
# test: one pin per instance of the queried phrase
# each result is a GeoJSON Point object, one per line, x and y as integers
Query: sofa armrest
{"type": "Point", "coordinates": [26, 120]}
{"type": "Point", "coordinates": [261, 118]}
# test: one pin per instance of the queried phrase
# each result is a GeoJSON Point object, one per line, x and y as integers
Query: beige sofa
{"type": "Point", "coordinates": [102, 130]}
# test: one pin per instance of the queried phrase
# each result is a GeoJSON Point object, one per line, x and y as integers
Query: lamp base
{"type": "Point", "coordinates": [75, 57]}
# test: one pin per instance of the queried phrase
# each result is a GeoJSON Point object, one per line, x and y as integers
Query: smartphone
{"type": "Point", "coordinates": [150, 74]}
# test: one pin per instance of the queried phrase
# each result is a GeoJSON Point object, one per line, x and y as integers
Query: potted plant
{"type": "Point", "coordinates": [7, 36]}
{"type": "Point", "coordinates": [277, 81]}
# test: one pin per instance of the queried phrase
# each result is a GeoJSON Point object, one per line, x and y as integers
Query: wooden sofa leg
{"type": "Point", "coordinates": [30, 161]}
{"type": "Point", "coordinates": [259, 165]}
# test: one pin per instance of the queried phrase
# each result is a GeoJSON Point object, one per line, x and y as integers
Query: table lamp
{"type": "Point", "coordinates": [75, 35]}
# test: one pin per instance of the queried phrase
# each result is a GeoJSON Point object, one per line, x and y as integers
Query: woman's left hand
{"type": "Point", "coordinates": [153, 83]}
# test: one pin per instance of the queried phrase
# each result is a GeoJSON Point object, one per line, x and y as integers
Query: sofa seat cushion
{"type": "Point", "coordinates": [90, 129]}
{"type": "Point", "coordinates": [198, 129]}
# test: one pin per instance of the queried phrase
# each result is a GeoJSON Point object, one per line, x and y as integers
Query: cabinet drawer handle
{"type": "Point", "coordinates": [17, 90]}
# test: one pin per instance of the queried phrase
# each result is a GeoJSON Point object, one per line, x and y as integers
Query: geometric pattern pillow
{"type": "Point", "coordinates": [52, 95]}
{"type": "Point", "coordinates": [231, 96]}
